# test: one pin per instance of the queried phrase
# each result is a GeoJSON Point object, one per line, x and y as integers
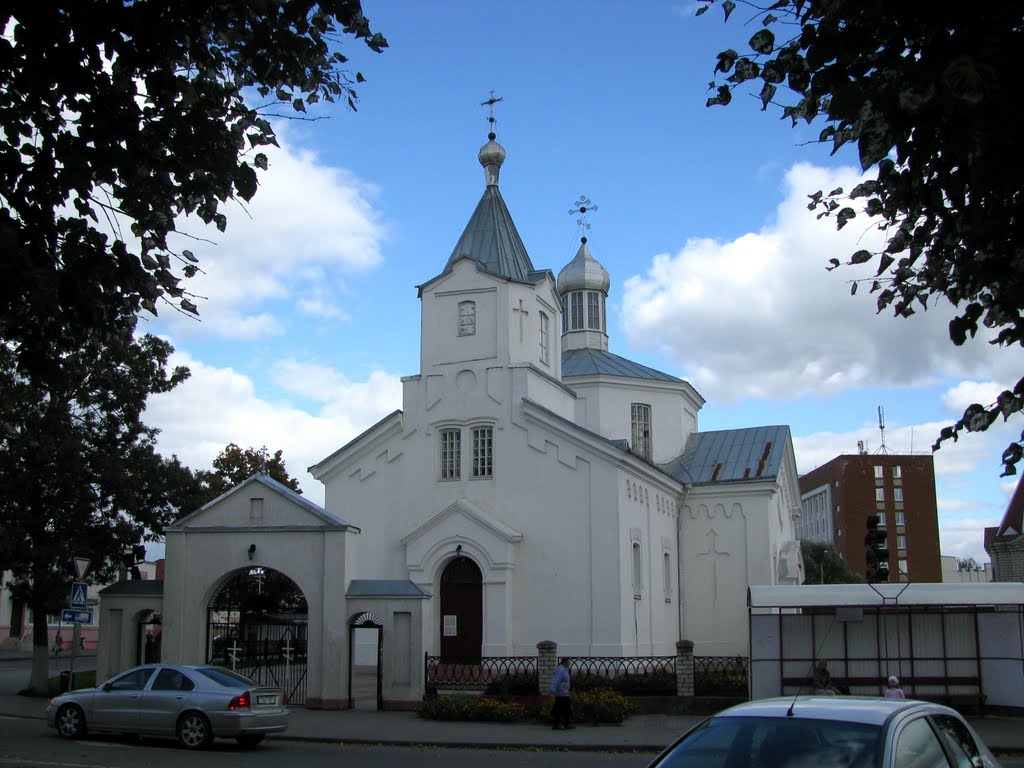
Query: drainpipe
{"type": "Point", "coordinates": [679, 556]}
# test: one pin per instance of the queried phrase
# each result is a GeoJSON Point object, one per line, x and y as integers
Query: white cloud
{"type": "Point", "coordinates": [217, 406]}
{"type": "Point", "coordinates": [307, 226]}
{"type": "Point", "coordinates": [764, 318]}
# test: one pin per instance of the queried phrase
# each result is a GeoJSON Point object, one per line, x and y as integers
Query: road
{"type": "Point", "coordinates": [29, 744]}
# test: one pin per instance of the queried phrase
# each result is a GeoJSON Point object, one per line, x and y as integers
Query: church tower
{"type": "Point", "coordinates": [583, 289]}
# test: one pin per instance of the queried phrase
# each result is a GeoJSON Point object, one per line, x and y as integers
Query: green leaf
{"type": "Point", "coordinates": [728, 7]}
{"type": "Point", "coordinates": [726, 61]}
{"type": "Point", "coordinates": [767, 93]}
{"type": "Point", "coordinates": [260, 161]}
{"type": "Point", "coordinates": [190, 256]}
{"type": "Point", "coordinates": [861, 256]}
{"type": "Point", "coordinates": [299, 105]}
{"type": "Point", "coordinates": [844, 216]}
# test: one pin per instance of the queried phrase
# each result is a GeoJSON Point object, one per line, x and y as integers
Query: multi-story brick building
{"type": "Point", "coordinates": [838, 498]}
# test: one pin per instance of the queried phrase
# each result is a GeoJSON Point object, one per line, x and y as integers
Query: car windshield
{"type": "Point", "coordinates": [226, 677]}
{"type": "Point", "coordinates": [782, 742]}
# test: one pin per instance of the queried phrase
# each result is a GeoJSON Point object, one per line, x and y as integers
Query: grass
{"type": "Point", "coordinates": [83, 679]}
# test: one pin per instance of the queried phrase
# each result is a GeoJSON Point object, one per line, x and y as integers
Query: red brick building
{"type": "Point", "coordinates": [838, 497]}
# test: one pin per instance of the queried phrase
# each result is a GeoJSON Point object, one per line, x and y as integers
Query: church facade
{"type": "Point", "coordinates": [534, 486]}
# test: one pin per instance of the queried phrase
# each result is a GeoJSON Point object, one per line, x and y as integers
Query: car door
{"type": "Point", "coordinates": [168, 691]}
{"type": "Point", "coordinates": [917, 745]}
{"type": "Point", "coordinates": [116, 705]}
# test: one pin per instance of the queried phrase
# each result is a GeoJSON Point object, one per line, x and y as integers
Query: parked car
{"type": "Point", "coordinates": [195, 704]}
{"type": "Point", "coordinates": [829, 732]}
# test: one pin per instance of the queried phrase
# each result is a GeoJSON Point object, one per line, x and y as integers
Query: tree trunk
{"type": "Point", "coordinates": [39, 683]}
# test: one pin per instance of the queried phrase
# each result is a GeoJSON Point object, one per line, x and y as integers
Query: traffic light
{"type": "Point", "coordinates": [876, 551]}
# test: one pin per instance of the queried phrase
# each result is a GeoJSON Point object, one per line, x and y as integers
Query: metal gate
{"type": "Point", "coordinates": [269, 652]}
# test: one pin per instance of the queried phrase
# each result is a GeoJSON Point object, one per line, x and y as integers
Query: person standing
{"type": "Point", "coordinates": [561, 712]}
{"type": "Point", "coordinates": [893, 691]}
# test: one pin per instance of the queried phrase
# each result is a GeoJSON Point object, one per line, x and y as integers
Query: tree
{"type": "Point", "coordinates": [79, 471]}
{"type": "Point", "coordinates": [967, 564]}
{"type": "Point", "coordinates": [925, 92]}
{"type": "Point", "coordinates": [232, 466]}
{"type": "Point", "coordinates": [119, 118]}
{"type": "Point", "coordinates": [824, 565]}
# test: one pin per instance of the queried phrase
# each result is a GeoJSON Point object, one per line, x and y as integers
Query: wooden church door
{"type": "Point", "coordinates": [461, 612]}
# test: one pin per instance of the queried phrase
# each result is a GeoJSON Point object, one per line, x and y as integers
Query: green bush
{"type": "Point", "coordinates": [602, 705]}
{"type": "Point", "coordinates": [477, 708]}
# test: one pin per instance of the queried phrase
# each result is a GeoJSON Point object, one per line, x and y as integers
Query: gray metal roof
{"type": "Point", "coordinates": [878, 595]}
{"type": "Point", "coordinates": [590, 362]}
{"type": "Point", "coordinates": [492, 241]}
{"type": "Point", "coordinates": [384, 588]}
{"type": "Point", "coordinates": [730, 455]}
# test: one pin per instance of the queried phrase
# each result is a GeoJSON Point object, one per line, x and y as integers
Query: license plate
{"type": "Point", "coordinates": [271, 699]}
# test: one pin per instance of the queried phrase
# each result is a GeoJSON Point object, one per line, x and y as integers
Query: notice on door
{"type": "Point", "coordinates": [451, 625]}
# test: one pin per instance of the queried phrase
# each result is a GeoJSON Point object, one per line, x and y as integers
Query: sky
{"type": "Point", "coordinates": [309, 316]}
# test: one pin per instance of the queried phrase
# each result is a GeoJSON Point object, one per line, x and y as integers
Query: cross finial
{"type": "Point", "coordinates": [490, 117]}
{"type": "Point", "coordinates": [580, 208]}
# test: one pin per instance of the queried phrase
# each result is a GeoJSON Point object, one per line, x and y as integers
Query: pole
{"type": "Point", "coordinates": [76, 639]}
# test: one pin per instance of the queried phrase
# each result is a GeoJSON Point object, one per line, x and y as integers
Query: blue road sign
{"type": "Point", "coordinates": [79, 595]}
{"type": "Point", "coordinates": [71, 616]}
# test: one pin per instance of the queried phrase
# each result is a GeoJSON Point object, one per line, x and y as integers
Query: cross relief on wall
{"type": "Point", "coordinates": [713, 555]}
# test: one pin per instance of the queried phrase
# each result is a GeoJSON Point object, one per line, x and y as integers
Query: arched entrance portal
{"type": "Point", "coordinates": [366, 644]}
{"type": "Point", "coordinates": [149, 636]}
{"type": "Point", "coordinates": [257, 624]}
{"type": "Point", "coordinates": [461, 612]}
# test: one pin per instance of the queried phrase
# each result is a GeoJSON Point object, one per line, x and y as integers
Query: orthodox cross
{"type": "Point", "coordinates": [523, 312]}
{"type": "Point", "coordinates": [714, 556]}
{"type": "Point", "coordinates": [580, 208]}
{"type": "Point", "coordinates": [490, 105]}
{"type": "Point", "coordinates": [233, 653]}
{"type": "Point", "coordinates": [258, 574]}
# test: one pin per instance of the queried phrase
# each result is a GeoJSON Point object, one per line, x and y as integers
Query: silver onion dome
{"type": "Point", "coordinates": [583, 273]}
{"type": "Point", "coordinates": [492, 155]}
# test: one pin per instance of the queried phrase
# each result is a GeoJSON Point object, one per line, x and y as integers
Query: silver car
{"type": "Point", "coordinates": [829, 732]}
{"type": "Point", "coordinates": [193, 703]}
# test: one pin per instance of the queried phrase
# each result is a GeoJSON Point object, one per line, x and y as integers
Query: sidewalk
{"type": "Point", "coordinates": [641, 733]}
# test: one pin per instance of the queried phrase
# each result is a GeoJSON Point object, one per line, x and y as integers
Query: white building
{"type": "Point", "coordinates": [534, 486]}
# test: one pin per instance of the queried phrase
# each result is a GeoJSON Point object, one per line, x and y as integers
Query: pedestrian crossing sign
{"type": "Point", "coordinates": [79, 595]}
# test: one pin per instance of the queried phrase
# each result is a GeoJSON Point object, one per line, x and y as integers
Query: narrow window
{"type": "Point", "coordinates": [565, 314]}
{"type": "Point", "coordinates": [879, 494]}
{"type": "Point", "coordinates": [897, 494]}
{"type": "Point", "coordinates": [545, 352]}
{"type": "Point", "coordinates": [641, 424]}
{"type": "Point", "coordinates": [903, 567]}
{"type": "Point", "coordinates": [666, 560]}
{"type": "Point", "coordinates": [637, 571]}
{"type": "Point", "coordinates": [576, 302]}
{"type": "Point", "coordinates": [483, 452]}
{"type": "Point", "coordinates": [901, 518]}
{"type": "Point", "coordinates": [897, 473]}
{"type": "Point", "coordinates": [878, 471]}
{"type": "Point", "coordinates": [881, 518]}
{"type": "Point", "coordinates": [451, 453]}
{"type": "Point", "coordinates": [593, 310]}
{"type": "Point", "coordinates": [467, 318]}
{"type": "Point", "coordinates": [901, 541]}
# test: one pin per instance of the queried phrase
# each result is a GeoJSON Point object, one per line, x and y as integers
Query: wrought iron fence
{"type": "Point", "coordinates": [498, 675]}
{"type": "Point", "coordinates": [720, 675]}
{"type": "Point", "coordinates": [629, 675]}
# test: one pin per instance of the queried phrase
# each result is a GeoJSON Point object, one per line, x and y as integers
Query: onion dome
{"type": "Point", "coordinates": [583, 273]}
{"type": "Point", "coordinates": [492, 155]}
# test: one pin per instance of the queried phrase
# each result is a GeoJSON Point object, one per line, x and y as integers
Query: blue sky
{"type": "Point", "coordinates": [310, 314]}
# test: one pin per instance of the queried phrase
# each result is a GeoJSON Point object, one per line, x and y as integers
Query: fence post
{"type": "Point", "coordinates": [547, 660]}
{"type": "Point", "coordinates": [684, 668]}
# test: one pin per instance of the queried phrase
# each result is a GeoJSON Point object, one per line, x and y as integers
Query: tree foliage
{"type": "Point", "coordinates": [824, 565]}
{"type": "Point", "coordinates": [925, 93]}
{"type": "Point", "coordinates": [79, 471]}
{"type": "Point", "coordinates": [119, 118]}
{"type": "Point", "coordinates": [234, 465]}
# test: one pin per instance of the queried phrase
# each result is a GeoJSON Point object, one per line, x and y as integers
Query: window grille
{"type": "Point", "coordinates": [451, 453]}
{"type": "Point", "coordinates": [483, 452]}
{"type": "Point", "coordinates": [641, 424]}
{"type": "Point", "coordinates": [467, 318]}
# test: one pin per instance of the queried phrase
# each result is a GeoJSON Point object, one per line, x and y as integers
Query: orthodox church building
{"type": "Point", "coordinates": [540, 487]}
{"type": "Point", "coordinates": [534, 486]}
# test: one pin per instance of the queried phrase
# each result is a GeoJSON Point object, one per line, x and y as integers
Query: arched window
{"type": "Point", "coordinates": [545, 343]}
{"type": "Point", "coordinates": [666, 559]}
{"type": "Point", "coordinates": [640, 417]}
{"type": "Point", "coordinates": [637, 571]}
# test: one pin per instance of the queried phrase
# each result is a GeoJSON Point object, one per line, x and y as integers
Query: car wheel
{"type": "Point", "coordinates": [71, 721]}
{"type": "Point", "coordinates": [194, 731]}
{"type": "Point", "coordinates": [250, 739]}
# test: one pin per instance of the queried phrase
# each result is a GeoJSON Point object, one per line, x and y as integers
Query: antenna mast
{"type": "Point", "coordinates": [881, 428]}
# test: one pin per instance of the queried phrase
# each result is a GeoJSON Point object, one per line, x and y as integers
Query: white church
{"type": "Point", "coordinates": [534, 486]}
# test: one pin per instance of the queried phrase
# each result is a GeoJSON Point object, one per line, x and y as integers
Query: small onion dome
{"type": "Point", "coordinates": [583, 273]}
{"type": "Point", "coordinates": [492, 153]}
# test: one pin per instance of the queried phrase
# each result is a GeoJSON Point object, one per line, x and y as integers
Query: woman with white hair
{"type": "Point", "coordinates": [893, 691]}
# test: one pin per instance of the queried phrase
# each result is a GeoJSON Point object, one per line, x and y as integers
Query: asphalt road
{"type": "Point", "coordinates": [29, 744]}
